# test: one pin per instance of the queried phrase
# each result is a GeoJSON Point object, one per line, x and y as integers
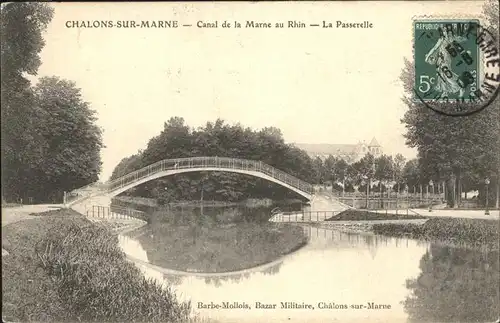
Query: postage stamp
{"type": "Point", "coordinates": [456, 65]}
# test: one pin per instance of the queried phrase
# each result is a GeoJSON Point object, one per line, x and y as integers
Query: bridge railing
{"type": "Point", "coordinates": [84, 192]}
{"type": "Point", "coordinates": [210, 162]}
{"type": "Point", "coordinates": [304, 216]}
{"type": "Point", "coordinates": [316, 216]}
{"type": "Point", "coordinates": [115, 212]}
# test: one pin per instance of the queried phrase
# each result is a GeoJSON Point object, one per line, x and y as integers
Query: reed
{"type": "Point", "coordinates": [77, 272]}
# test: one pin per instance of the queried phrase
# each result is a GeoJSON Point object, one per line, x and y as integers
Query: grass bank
{"type": "Point", "coordinates": [360, 215]}
{"type": "Point", "coordinates": [473, 232]}
{"type": "Point", "coordinates": [62, 267]}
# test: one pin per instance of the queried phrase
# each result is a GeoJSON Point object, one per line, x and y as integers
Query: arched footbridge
{"type": "Point", "coordinates": [169, 167]}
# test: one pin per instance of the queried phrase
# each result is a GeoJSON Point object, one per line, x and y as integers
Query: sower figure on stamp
{"type": "Point", "coordinates": [447, 80]}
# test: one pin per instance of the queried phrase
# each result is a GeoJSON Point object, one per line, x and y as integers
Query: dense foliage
{"type": "Point", "coordinates": [383, 172]}
{"type": "Point", "coordinates": [178, 140]}
{"type": "Point", "coordinates": [49, 141]}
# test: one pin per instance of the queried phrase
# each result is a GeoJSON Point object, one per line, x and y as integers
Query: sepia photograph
{"type": "Point", "coordinates": [241, 162]}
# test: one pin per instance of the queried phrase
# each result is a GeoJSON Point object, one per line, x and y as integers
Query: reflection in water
{"type": "Point", "coordinates": [334, 268]}
{"type": "Point", "coordinates": [455, 285]}
{"type": "Point", "coordinates": [219, 240]}
{"type": "Point", "coordinates": [421, 282]}
{"type": "Point", "coordinates": [219, 249]}
{"type": "Point", "coordinates": [218, 281]}
{"type": "Point", "coordinates": [134, 249]}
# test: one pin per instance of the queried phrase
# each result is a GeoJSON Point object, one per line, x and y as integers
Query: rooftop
{"type": "Point", "coordinates": [374, 143]}
{"type": "Point", "coordinates": [328, 149]}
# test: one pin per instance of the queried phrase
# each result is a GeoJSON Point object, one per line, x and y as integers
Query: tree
{"type": "Point", "coordinates": [490, 12]}
{"type": "Point", "coordinates": [127, 165]}
{"type": "Point", "coordinates": [364, 169]}
{"type": "Point", "coordinates": [319, 171]}
{"type": "Point", "coordinates": [173, 142]}
{"type": "Point", "coordinates": [21, 29]}
{"type": "Point", "coordinates": [399, 163]}
{"type": "Point", "coordinates": [384, 170]}
{"type": "Point", "coordinates": [219, 139]}
{"type": "Point", "coordinates": [72, 140]}
{"type": "Point", "coordinates": [331, 174]}
{"type": "Point", "coordinates": [341, 170]}
{"type": "Point", "coordinates": [411, 173]}
{"type": "Point", "coordinates": [49, 140]}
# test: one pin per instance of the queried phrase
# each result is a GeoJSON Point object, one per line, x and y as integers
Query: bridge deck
{"type": "Point", "coordinates": [174, 166]}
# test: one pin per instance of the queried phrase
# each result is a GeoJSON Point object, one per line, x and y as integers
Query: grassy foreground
{"type": "Point", "coordinates": [450, 230]}
{"type": "Point", "coordinates": [65, 268]}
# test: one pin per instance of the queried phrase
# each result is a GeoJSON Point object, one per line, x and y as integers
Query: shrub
{"type": "Point", "coordinates": [454, 230]}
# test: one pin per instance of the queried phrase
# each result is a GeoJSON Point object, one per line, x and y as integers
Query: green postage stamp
{"type": "Point", "coordinates": [446, 60]}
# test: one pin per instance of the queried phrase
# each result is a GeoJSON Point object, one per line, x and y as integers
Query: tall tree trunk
{"type": "Point", "coordinates": [454, 198]}
{"type": "Point", "coordinates": [498, 193]}
{"type": "Point", "coordinates": [451, 191]}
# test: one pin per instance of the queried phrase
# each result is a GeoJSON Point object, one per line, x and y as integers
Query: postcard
{"type": "Point", "coordinates": [250, 161]}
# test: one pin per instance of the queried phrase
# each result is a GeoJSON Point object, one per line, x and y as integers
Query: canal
{"type": "Point", "coordinates": [333, 277]}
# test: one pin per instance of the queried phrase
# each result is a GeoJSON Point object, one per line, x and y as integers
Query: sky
{"type": "Point", "coordinates": [318, 85]}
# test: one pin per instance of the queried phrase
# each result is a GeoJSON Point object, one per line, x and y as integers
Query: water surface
{"type": "Point", "coordinates": [411, 280]}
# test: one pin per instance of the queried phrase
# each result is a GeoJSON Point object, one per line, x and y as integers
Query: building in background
{"type": "Point", "coordinates": [349, 152]}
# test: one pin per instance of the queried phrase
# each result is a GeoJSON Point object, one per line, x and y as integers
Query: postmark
{"type": "Point", "coordinates": [457, 65]}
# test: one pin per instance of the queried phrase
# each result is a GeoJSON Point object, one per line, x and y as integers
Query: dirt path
{"type": "Point", "coordinates": [19, 213]}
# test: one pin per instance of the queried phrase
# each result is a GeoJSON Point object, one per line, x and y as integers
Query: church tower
{"type": "Point", "coordinates": [375, 148]}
